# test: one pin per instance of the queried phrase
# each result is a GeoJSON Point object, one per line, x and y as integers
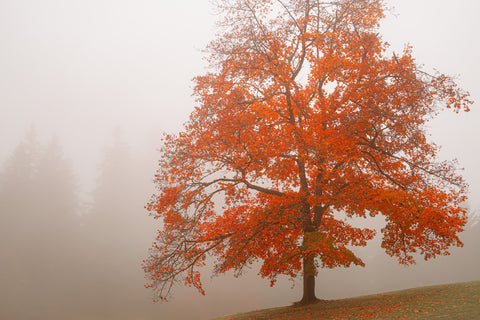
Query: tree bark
{"type": "Point", "coordinates": [309, 273]}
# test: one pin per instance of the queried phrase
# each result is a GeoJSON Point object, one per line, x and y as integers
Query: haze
{"type": "Point", "coordinates": [92, 85]}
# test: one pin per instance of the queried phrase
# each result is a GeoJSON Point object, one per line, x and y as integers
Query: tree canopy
{"type": "Point", "coordinates": [304, 115]}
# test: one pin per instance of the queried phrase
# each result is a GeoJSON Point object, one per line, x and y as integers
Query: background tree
{"type": "Point", "coordinates": [38, 227]}
{"type": "Point", "coordinates": [57, 224]}
{"type": "Point", "coordinates": [115, 234]}
{"type": "Point", "coordinates": [304, 122]}
{"type": "Point", "coordinates": [18, 176]}
{"type": "Point", "coordinates": [17, 218]}
{"type": "Point", "coordinates": [56, 192]}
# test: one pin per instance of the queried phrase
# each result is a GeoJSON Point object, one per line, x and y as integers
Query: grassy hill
{"type": "Point", "coordinates": [452, 301]}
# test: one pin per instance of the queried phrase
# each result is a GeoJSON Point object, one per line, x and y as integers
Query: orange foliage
{"type": "Point", "coordinates": [303, 115]}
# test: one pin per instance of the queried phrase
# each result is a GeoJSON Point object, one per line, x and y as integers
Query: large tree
{"type": "Point", "coordinates": [304, 121]}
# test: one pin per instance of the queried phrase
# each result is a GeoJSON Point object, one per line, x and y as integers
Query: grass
{"type": "Point", "coordinates": [452, 301]}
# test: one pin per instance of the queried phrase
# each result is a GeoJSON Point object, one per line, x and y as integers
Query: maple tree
{"type": "Point", "coordinates": [304, 121]}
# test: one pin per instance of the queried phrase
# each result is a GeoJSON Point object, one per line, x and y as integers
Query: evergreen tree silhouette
{"type": "Point", "coordinates": [38, 203]}
{"type": "Point", "coordinates": [113, 231]}
{"type": "Point", "coordinates": [17, 222]}
{"type": "Point", "coordinates": [56, 199]}
{"type": "Point", "coordinates": [57, 188]}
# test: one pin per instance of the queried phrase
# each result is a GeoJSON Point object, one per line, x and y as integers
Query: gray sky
{"type": "Point", "coordinates": [79, 69]}
{"type": "Point", "coordinates": [444, 37]}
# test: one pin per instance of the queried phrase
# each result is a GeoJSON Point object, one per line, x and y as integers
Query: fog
{"type": "Point", "coordinates": [86, 90]}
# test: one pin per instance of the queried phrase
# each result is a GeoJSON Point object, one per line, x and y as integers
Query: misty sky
{"type": "Point", "coordinates": [80, 69]}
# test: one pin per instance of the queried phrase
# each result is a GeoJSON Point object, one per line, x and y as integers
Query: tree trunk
{"type": "Point", "coordinates": [309, 273]}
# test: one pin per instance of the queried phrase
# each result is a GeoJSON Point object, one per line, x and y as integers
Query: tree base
{"type": "Point", "coordinates": [305, 302]}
